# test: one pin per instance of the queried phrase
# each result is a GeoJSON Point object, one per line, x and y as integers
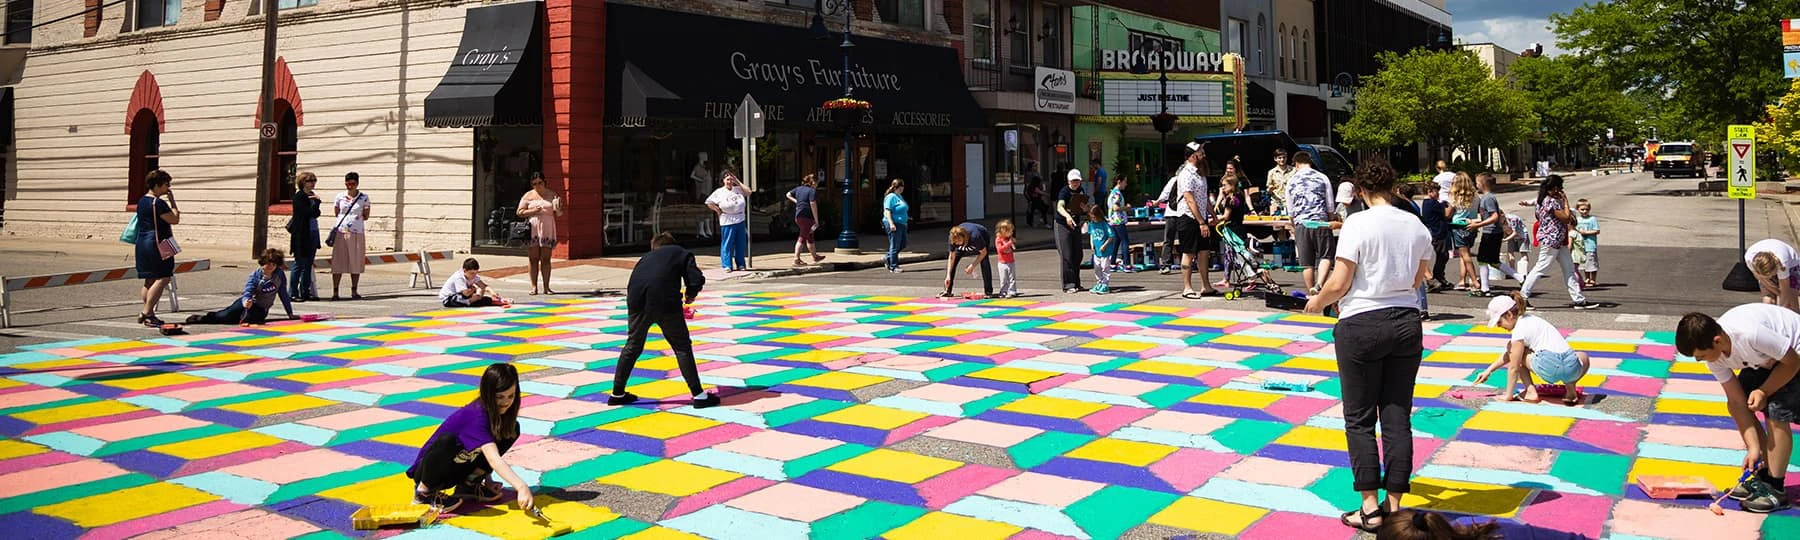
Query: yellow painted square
{"type": "Point", "coordinates": [874, 416]}
{"type": "Point", "coordinates": [262, 342]}
{"type": "Point", "coordinates": [1691, 406]}
{"type": "Point", "coordinates": [807, 339]}
{"type": "Point", "coordinates": [390, 337]}
{"type": "Point", "coordinates": [899, 309]}
{"type": "Point", "coordinates": [1311, 319]}
{"type": "Point", "coordinates": [787, 313]}
{"type": "Point", "coordinates": [1013, 374]}
{"type": "Point", "coordinates": [939, 525]}
{"type": "Point", "coordinates": [795, 324]}
{"type": "Point", "coordinates": [839, 380]}
{"type": "Point", "coordinates": [298, 328]}
{"type": "Point", "coordinates": [1721, 476]}
{"type": "Point", "coordinates": [821, 356]}
{"type": "Point", "coordinates": [1314, 437]}
{"type": "Point", "coordinates": [503, 522]}
{"type": "Point", "coordinates": [1008, 303]}
{"type": "Point", "coordinates": [367, 354]}
{"type": "Point", "coordinates": [1167, 368]}
{"type": "Point", "coordinates": [457, 399]}
{"type": "Point", "coordinates": [1133, 453]}
{"type": "Point", "coordinates": [520, 349]}
{"type": "Point", "coordinates": [92, 409]}
{"type": "Point", "coordinates": [546, 320]}
{"type": "Point", "coordinates": [1429, 390]}
{"type": "Point", "coordinates": [659, 532]}
{"type": "Point", "coordinates": [1519, 423]}
{"type": "Point", "coordinates": [523, 368]}
{"type": "Point", "coordinates": [1201, 323]}
{"type": "Point", "coordinates": [126, 504]}
{"type": "Point", "coordinates": [60, 363]}
{"type": "Point", "coordinates": [972, 349]}
{"type": "Point", "coordinates": [427, 323]}
{"type": "Point", "coordinates": [1120, 345]}
{"type": "Point", "coordinates": [1208, 516]}
{"type": "Point", "coordinates": [278, 405]}
{"type": "Point", "coordinates": [329, 375]}
{"type": "Point", "coordinates": [662, 425]}
{"type": "Point", "coordinates": [1164, 310]}
{"type": "Point", "coordinates": [1053, 407]}
{"type": "Point", "coordinates": [942, 332]}
{"type": "Point", "coordinates": [216, 445]}
{"type": "Point", "coordinates": [662, 363]}
{"type": "Point", "coordinates": [1251, 341]}
{"type": "Point", "coordinates": [1462, 357]}
{"type": "Point", "coordinates": [412, 438]}
{"type": "Point", "coordinates": [1690, 368]}
{"type": "Point", "coordinates": [921, 319]}
{"type": "Point", "coordinates": [9, 383]}
{"type": "Point", "coordinates": [1235, 398]}
{"type": "Point", "coordinates": [146, 382]}
{"type": "Point", "coordinates": [671, 478]}
{"type": "Point", "coordinates": [1465, 497]}
{"type": "Point", "coordinates": [440, 313]}
{"type": "Point", "coordinates": [11, 449]}
{"type": "Point", "coordinates": [371, 492]}
{"type": "Point", "coordinates": [662, 389]}
{"type": "Point", "coordinates": [1597, 346]}
{"type": "Point", "coordinates": [1072, 326]}
{"type": "Point", "coordinates": [112, 346]}
{"type": "Point", "coordinates": [1311, 364]}
{"type": "Point", "coordinates": [886, 299]}
{"type": "Point", "coordinates": [213, 359]}
{"type": "Point", "coordinates": [902, 467]}
{"type": "Point", "coordinates": [533, 333]}
{"type": "Point", "coordinates": [1039, 313]}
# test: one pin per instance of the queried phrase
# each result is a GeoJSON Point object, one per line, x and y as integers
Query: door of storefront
{"type": "Point", "coordinates": [829, 165]}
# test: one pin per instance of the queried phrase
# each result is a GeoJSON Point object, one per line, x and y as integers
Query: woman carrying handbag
{"type": "Point", "coordinates": [348, 247]}
{"type": "Point", "coordinates": [303, 238]}
{"type": "Point", "coordinates": [156, 248]}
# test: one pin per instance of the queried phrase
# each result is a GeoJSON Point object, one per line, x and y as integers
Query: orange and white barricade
{"type": "Point", "coordinates": [421, 261]}
{"type": "Point", "coordinates": [12, 284]}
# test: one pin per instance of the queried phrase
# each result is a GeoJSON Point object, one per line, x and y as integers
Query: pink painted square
{"type": "Point", "coordinates": [561, 409]}
{"type": "Point", "coordinates": [1215, 354]}
{"type": "Point", "coordinates": [915, 364]}
{"type": "Point", "coordinates": [984, 432]}
{"type": "Point", "coordinates": [1113, 385]}
{"type": "Point", "coordinates": [1620, 437]}
{"type": "Point", "coordinates": [1590, 333]}
{"type": "Point", "coordinates": [948, 393]}
{"type": "Point", "coordinates": [394, 386]}
{"type": "Point", "coordinates": [1579, 514]}
{"type": "Point", "coordinates": [1693, 436]}
{"type": "Point", "coordinates": [1073, 359]}
{"type": "Point", "coordinates": [69, 352]}
{"type": "Point", "coordinates": [796, 502]}
{"type": "Point", "coordinates": [266, 366]}
{"type": "Point", "coordinates": [1188, 468]}
{"type": "Point", "coordinates": [36, 397]}
{"type": "Point", "coordinates": [883, 343]}
{"type": "Point", "coordinates": [1263, 470]}
{"type": "Point", "coordinates": [775, 402]}
{"type": "Point", "coordinates": [861, 330]}
{"type": "Point", "coordinates": [1052, 491]}
{"type": "Point", "coordinates": [1183, 422]}
{"type": "Point", "coordinates": [739, 371]}
{"type": "Point", "coordinates": [1451, 373]}
{"type": "Point", "coordinates": [250, 524]}
{"type": "Point", "coordinates": [132, 429]}
{"type": "Point", "coordinates": [296, 467]}
{"type": "Point", "coordinates": [1290, 525]}
{"type": "Point", "coordinates": [355, 419]}
{"type": "Point", "coordinates": [1657, 352]}
{"type": "Point", "coordinates": [309, 346]}
{"type": "Point", "coordinates": [1297, 409]}
{"type": "Point", "coordinates": [1707, 387]}
{"type": "Point", "coordinates": [735, 351]}
{"type": "Point", "coordinates": [577, 378]}
{"type": "Point", "coordinates": [1641, 386]}
{"type": "Point", "coordinates": [584, 356]}
{"type": "Point", "coordinates": [1487, 456]}
{"type": "Point", "coordinates": [56, 476]}
{"type": "Point", "coordinates": [1648, 519]}
{"type": "Point", "coordinates": [777, 445]}
{"type": "Point", "coordinates": [553, 454]}
{"type": "Point", "coordinates": [198, 394]}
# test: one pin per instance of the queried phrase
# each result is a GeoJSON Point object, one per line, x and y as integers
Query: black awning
{"type": "Point", "coordinates": [667, 68]}
{"type": "Point", "coordinates": [496, 78]}
{"type": "Point", "coordinates": [1260, 104]}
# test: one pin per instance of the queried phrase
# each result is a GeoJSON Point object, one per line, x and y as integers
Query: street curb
{"type": "Point", "coordinates": [907, 258]}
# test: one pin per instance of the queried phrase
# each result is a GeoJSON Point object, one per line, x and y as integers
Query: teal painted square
{"type": "Point", "coordinates": [826, 458]}
{"type": "Point", "coordinates": [1660, 337]}
{"type": "Point", "coordinates": [589, 470]}
{"type": "Point", "coordinates": [1648, 368]}
{"type": "Point", "coordinates": [1336, 487]}
{"type": "Point", "coordinates": [1044, 447]}
{"type": "Point", "coordinates": [1110, 512]}
{"type": "Point", "coordinates": [868, 520]}
{"type": "Point", "coordinates": [1246, 436]}
{"type": "Point", "coordinates": [1440, 422]}
{"type": "Point", "coordinates": [1167, 396]}
{"type": "Point", "coordinates": [986, 404]}
{"type": "Point", "coordinates": [803, 411]}
{"type": "Point", "coordinates": [1599, 472]}
{"type": "Point", "coordinates": [1264, 361]}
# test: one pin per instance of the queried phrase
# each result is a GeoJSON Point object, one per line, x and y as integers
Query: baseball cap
{"type": "Point", "coordinates": [1346, 193]}
{"type": "Point", "coordinates": [1193, 147]}
{"type": "Point", "coordinates": [1499, 306]}
{"type": "Point", "coordinates": [1074, 174]}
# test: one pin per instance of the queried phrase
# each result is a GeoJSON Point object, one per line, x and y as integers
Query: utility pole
{"type": "Point", "coordinates": [265, 147]}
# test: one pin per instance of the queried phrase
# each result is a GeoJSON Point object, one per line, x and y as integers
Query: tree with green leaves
{"type": "Point", "coordinates": [1710, 62]}
{"type": "Point", "coordinates": [1575, 103]}
{"type": "Point", "coordinates": [1781, 133]}
{"type": "Point", "coordinates": [1445, 99]}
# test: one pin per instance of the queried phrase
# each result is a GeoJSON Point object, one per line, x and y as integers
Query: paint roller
{"type": "Point", "coordinates": [556, 528]}
{"type": "Point", "coordinates": [1720, 510]}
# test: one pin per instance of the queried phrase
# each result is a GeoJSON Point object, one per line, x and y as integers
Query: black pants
{"type": "Point", "coordinates": [987, 272]}
{"type": "Point", "coordinates": [237, 314]}
{"type": "Point", "coordinates": [1378, 359]}
{"type": "Point", "coordinates": [675, 330]}
{"type": "Point", "coordinates": [1169, 258]}
{"type": "Point", "coordinates": [1069, 247]}
{"type": "Point", "coordinates": [1037, 210]}
{"type": "Point", "coordinates": [459, 300]}
{"type": "Point", "coordinates": [446, 464]}
{"type": "Point", "coordinates": [1441, 248]}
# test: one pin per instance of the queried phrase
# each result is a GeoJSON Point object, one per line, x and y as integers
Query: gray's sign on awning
{"type": "Point", "coordinates": [496, 77]}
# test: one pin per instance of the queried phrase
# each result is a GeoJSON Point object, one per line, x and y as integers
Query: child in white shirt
{"type": "Point", "coordinates": [466, 288]}
{"type": "Point", "coordinates": [1760, 341]}
{"type": "Point", "coordinates": [1550, 357]}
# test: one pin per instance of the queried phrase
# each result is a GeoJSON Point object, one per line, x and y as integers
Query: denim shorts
{"type": "Point", "coordinates": [1784, 406]}
{"type": "Point", "coordinates": [1556, 367]}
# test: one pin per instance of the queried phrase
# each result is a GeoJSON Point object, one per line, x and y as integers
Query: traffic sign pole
{"type": "Point", "coordinates": [1741, 171]}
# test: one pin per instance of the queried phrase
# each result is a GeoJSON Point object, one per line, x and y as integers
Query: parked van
{"type": "Point", "coordinates": [1256, 151]}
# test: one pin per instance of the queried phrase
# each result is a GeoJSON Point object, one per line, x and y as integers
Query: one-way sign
{"type": "Point", "coordinates": [1741, 169]}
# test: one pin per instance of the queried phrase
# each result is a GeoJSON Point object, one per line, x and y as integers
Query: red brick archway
{"type": "Point", "coordinates": [146, 95]}
{"type": "Point", "coordinates": [285, 90]}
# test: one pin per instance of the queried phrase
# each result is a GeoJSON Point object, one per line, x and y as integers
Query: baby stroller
{"type": "Point", "coordinates": [1243, 266]}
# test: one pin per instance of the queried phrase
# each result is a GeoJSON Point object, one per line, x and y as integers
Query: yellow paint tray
{"type": "Point", "coordinates": [387, 515]}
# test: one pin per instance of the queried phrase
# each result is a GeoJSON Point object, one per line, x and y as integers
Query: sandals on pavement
{"type": "Point", "coordinates": [1191, 295]}
{"type": "Point", "coordinates": [1362, 519]}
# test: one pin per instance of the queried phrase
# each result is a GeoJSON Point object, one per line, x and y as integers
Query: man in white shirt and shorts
{"type": "Point", "coordinates": [1193, 239]}
{"type": "Point", "coordinates": [1761, 342]}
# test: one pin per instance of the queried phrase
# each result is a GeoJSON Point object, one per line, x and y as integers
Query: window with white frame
{"type": "Point", "coordinates": [1281, 50]}
{"type": "Point", "coordinates": [156, 13]}
{"type": "Point", "coordinates": [981, 30]}
{"type": "Point", "coordinates": [18, 21]}
{"type": "Point", "coordinates": [1262, 43]}
{"type": "Point", "coordinates": [291, 4]}
{"type": "Point", "coordinates": [1234, 36]}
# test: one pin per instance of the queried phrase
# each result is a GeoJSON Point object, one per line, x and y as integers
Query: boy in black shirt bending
{"type": "Point", "coordinates": [654, 296]}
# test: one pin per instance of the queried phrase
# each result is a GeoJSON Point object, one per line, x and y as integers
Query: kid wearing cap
{"type": "Point", "coordinates": [1536, 348]}
{"type": "Point", "coordinates": [1759, 341]}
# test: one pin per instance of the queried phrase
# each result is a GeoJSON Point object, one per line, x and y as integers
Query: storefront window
{"type": "Point", "coordinates": [505, 157]}
{"type": "Point", "coordinates": [981, 30]}
{"type": "Point", "coordinates": [924, 163]}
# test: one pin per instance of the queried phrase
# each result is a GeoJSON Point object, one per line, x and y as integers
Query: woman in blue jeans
{"type": "Point", "coordinates": [731, 202]}
{"type": "Point", "coordinates": [303, 237]}
{"type": "Point", "coordinates": [893, 220]}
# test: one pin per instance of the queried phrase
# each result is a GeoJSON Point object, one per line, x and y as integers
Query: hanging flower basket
{"type": "Point", "coordinates": [1164, 122]}
{"type": "Point", "coordinates": [846, 103]}
{"type": "Point", "coordinates": [847, 112]}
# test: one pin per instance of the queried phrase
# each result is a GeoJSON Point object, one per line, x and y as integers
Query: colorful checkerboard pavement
{"type": "Point", "coordinates": [850, 417]}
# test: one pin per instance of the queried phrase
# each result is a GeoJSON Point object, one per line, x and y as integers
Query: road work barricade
{"type": "Point", "coordinates": [421, 263]}
{"type": "Point", "coordinates": [10, 284]}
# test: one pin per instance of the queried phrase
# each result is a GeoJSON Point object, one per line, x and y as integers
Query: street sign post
{"type": "Point", "coordinates": [1741, 171]}
{"type": "Point", "coordinates": [748, 124]}
{"type": "Point", "coordinates": [268, 131]}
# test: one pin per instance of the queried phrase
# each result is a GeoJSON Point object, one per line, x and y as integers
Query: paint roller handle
{"type": "Point", "coordinates": [527, 502]}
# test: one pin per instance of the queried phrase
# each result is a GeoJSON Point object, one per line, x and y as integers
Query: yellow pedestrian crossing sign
{"type": "Point", "coordinates": [1740, 169]}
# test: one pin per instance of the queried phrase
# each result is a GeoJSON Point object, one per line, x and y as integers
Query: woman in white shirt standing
{"type": "Point", "coordinates": [348, 246]}
{"type": "Point", "coordinates": [731, 202]}
{"type": "Point", "coordinates": [1777, 269]}
{"type": "Point", "coordinates": [1383, 256]}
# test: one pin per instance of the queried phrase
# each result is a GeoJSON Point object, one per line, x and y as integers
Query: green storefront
{"type": "Point", "coordinates": [1120, 59]}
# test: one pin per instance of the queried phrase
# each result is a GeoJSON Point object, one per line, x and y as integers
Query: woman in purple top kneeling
{"type": "Point", "coordinates": [467, 448]}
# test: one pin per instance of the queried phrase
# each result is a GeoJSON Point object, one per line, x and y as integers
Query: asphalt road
{"type": "Point", "coordinates": [1663, 253]}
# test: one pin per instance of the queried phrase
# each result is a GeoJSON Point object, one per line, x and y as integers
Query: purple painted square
{"type": "Point", "coordinates": [28, 525]}
{"type": "Point", "coordinates": [1104, 472]}
{"type": "Point", "coordinates": [147, 462]}
{"type": "Point", "coordinates": [861, 486]}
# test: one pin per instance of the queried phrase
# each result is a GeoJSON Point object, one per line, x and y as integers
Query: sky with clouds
{"type": "Point", "coordinates": [1513, 24]}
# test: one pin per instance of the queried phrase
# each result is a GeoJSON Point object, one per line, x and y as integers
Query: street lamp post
{"type": "Point", "coordinates": [847, 242]}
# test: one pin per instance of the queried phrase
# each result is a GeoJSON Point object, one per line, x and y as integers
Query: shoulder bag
{"type": "Point", "coordinates": [164, 246]}
{"type": "Point", "coordinates": [331, 240]}
{"type": "Point", "coordinates": [129, 235]}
